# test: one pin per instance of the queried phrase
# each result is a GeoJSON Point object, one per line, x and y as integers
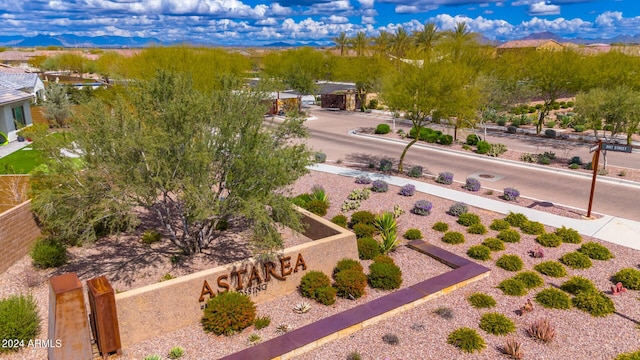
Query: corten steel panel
{"type": "Point", "coordinates": [68, 323]}
{"type": "Point", "coordinates": [104, 317]}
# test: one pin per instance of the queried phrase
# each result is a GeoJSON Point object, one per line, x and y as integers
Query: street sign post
{"type": "Point", "coordinates": [594, 165]}
{"type": "Point", "coordinates": [616, 147]}
{"type": "Point", "coordinates": [593, 148]}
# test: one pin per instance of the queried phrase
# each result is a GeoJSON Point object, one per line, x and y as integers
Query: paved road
{"type": "Point", "coordinates": [330, 133]}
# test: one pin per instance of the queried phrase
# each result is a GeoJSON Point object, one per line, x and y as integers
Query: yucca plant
{"type": "Point", "coordinates": [318, 193]}
{"type": "Point", "coordinates": [388, 227]}
{"type": "Point", "coordinates": [513, 349]}
{"type": "Point", "coordinates": [542, 330]}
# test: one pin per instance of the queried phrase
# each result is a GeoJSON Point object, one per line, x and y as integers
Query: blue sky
{"type": "Point", "coordinates": [256, 22]}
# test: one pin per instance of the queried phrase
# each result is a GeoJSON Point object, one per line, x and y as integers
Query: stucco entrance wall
{"type": "Point", "coordinates": [167, 306]}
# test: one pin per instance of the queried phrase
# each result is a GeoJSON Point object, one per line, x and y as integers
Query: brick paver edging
{"type": "Point", "coordinates": [347, 322]}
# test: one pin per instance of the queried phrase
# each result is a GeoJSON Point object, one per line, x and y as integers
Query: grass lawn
{"type": "Point", "coordinates": [21, 161]}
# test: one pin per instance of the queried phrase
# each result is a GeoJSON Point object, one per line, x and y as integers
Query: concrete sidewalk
{"type": "Point", "coordinates": [608, 228]}
{"type": "Point", "coordinates": [12, 147]}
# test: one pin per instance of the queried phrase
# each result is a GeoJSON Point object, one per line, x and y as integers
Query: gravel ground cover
{"type": "Point", "coordinates": [421, 332]}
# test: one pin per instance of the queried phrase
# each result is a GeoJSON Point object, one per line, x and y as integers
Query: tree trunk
{"type": "Point", "coordinates": [406, 148]}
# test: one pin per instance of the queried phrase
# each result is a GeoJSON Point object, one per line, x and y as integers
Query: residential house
{"type": "Point", "coordinates": [27, 82]}
{"type": "Point", "coordinates": [530, 45]}
{"type": "Point", "coordinates": [15, 111]}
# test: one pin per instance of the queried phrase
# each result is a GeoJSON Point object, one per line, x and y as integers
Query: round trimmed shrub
{"type": "Point", "coordinates": [482, 147]}
{"type": "Point", "coordinates": [422, 207]}
{"type": "Point", "coordinates": [48, 253]}
{"type": "Point", "coordinates": [413, 234]}
{"type": "Point", "coordinates": [468, 219]}
{"type": "Point", "coordinates": [472, 184]}
{"type": "Point", "coordinates": [19, 320]}
{"type": "Point", "coordinates": [576, 260]}
{"type": "Point", "coordinates": [385, 276]}
{"type": "Point", "coordinates": [551, 268]}
{"type": "Point", "coordinates": [347, 264]}
{"type": "Point", "coordinates": [382, 258]}
{"type": "Point", "coordinates": [595, 251]}
{"type": "Point", "coordinates": [445, 178]}
{"type": "Point", "coordinates": [383, 129]}
{"type": "Point", "coordinates": [415, 172]}
{"type": "Point", "coordinates": [340, 220]}
{"type": "Point", "coordinates": [478, 229]}
{"type": "Point", "coordinates": [151, 236]}
{"type": "Point", "coordinates": [569, 235]}
{"type": "Point", "coordinates": [472, 139]}
{"type": "Point", "coordinates": [496, 324]}
{"type": "Point", "coordinates": [510, 262]}
{"type": "Point", "coordinates": [549, 240]}
{"type": "Point", "coordinates": [385, 166]}
{"type": "Point", "coordinates": [228, 312]}
{"type": "Point", "coordinates": [320, 157]}
{"type": "Point", "coordinates": [441, 226]}
{"type": "Point", "coordinates": [512, 287]}
{"type": "Point", "coordinates": [628, 356]}
{"type": "Point", "coordinates": [326, 295]}
{"type": "Point", "coordinates": [493, 244]}
{"type": "Point", "coordinates": [576, 284]}
{"type": "Point", "coordinates": [629, 277]}
{"type": "Point", "coordinates": [364, 230]}
{"type": "Point", "coordinates": [499, 225]}
{"type": "Point", "coordinates": [458, 209]}
{"type": "Point", "coordinates": [516, 219]}
{"type": "Point", "coordinates": [466, 339]}
{"type": "Point", "coordinates": [311, 281]}
{"type": "Point", "coordinates": [509, 235]}
{"type": "Point", "coordinates": [379, 186]}
{"type": "Point", "coordinates": [350, 284]}
{"type": "Point", "coordinates": [530, 279]}
{"type": "Point", "coordinates": [481, 301]}
{"type": "Point", "coordinates": [532, 228]}
{"type": "Point", "coordinates": [407, 190]}
{"type": "Point", "coordinates": [364, 217]}
{"type": "Point", "coordinates": [594, 302]}
{"type": "Point", "coordinates": [479, 252]}
{"type": "Point", "coordinates": [453, 238]}
{"type": "Point", "coordinates": [368, 248]}
{"type": "Point", "coordinates": [553, 298]}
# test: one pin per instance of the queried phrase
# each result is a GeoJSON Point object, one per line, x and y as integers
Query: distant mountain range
{"type": "Point", "coordinates": [74, 41]}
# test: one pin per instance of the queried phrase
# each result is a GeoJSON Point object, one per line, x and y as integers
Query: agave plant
{"type": "Point", "coordinates": [513, 349]}
{"type": "Point", "coordinates": [254, 339]}
{"type": "Point", "coordinates": [283, 328]}
{"type": "Point", "coordinates": [318, 193]}
{"type": "Point", "coordinates": [302, 307]}
{"type": "Point", "coordinates": [388, 227]}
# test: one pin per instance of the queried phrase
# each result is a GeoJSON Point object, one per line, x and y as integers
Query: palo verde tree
{"type": "Point", "coordinates": [190, 158]}
{"type": "Point", "coordinates": [422, 92]}
{"type": "Point", "coordinates": [57, 107]}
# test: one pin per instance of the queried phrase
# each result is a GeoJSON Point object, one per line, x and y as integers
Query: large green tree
{"type": "Point", "coordinates": [190, 158]}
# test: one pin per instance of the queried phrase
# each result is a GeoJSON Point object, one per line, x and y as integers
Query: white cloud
{"type": "Point", "coordinates": [609, 18]}
{"type": "Point", "coordinates": [267, 22]}
{"type": "Point", "coordinates": [366, 4]}
{"type": "Point", "coordinates": [334, 19]}
{"type": "Point", "coordinates": [368, 20]}
{"type": "Point", "coordinates": [407, 9]}
{"type": "Point", "coordinates": [279, 10]}
{"type": "Point", "coordinates": [541, 8]}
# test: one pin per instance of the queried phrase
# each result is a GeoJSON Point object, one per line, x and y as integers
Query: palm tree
{"type": "Point", "coordinates": [426, 39]}
{"type": "Point", "coordinates": [400, 42]}
{"type": "Point", "coordinates": [360, 43]}
{"type": "Point", "coordinates": [459, 38]}
{"type": "Point", "coordinates": [342, 41]}
{"type": "Point", "coordinates": [382, 42]}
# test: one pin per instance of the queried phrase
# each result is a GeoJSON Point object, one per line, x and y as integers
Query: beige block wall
{"type": "Point", "coordinates": [156, 309]}
{"type": "Point", "coordinates": [18, 232]}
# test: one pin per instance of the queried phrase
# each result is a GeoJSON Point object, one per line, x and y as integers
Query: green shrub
{"type": "Point", "coordinates": [152, 357]}
{"type": "Point", "coordinates": [384, 259]}
{"type": "Point", "coordinates": [301, 200]}
{"type": "Point", "coordinates": [457, 209]}
{"type": "Point", "coordinates": [551, 268]}
{"type": "Point", "coordinates": [415, 172]}
{"type": "Point", "coordinates": [481, 301]}
{"type": "Point", "coordinates": [150, 236]}
{"type": "Point", "coordinates": [383, 129]}
{"type": "Point", "coordinates": [553, 298]}
{"type": "Point", "coordinates": [340, 220]}
{"type": "Point", "coordinates": [262, 322]}
{"type": "Point", "coordinates": [530, 279]}
{"type": "Point", "coordinates": [385, 276]}
{"type": "Point", "coordinates": [629, 356]}
{"type": "Point", "coordinates": [576, 284]}
{"type": "Point", "coordinates": [311, 281]}
{"type": "Point", "coordinates": [453, 238]}
{"type": "Point", "coordinates": [569, 235]}
{"type": "Point", "coordinates": [176, 352]}
{"type": "Point", "coordinates": [468, 219]}
{"type": "Point", "coordinates": [19, 321]}
{"type": "Point", "coordinates": [516, 219]}
{"type": "Point", "coordinates": [48, 253]}
{"type": "Point", "coordinates": [549, 240]}
{"type": "Point", "coordinates": [496, 324]}
{"type": "Point", "coordinates": [441, 226]}
{"type": "Point", "coordinates": [326, 295]}
{"type": "Point", "coordinates": [368, 248]}
{"type": "Point", "coordinates": [512, 287]}
{"type": "Point", "coordinates": [228, 312]}
{"type": "Point", "coordinates": [318, 207]}
{"type": "Point", "coordinates": [576, 260]}
{"type": "Point", "coordinates": [479, 252]}
{"type": "Point", "coordinates": [483, 147]}
{"type": "Point", "coordinates": [499, 225]}
{"type": "Point", "coordinates": [466, 339]}
{"type": "Point", "coordinates": [595, 251]}
{"type": "Point", "coordinates": [413, 234]}
{"type": "Point", "coordinates": [320, 157]}
{"type": "Point", "coordinates": [510, 263]}
{"type": "Point", "coordinates": [364, 230]}
{"type": "Point", "coordinates": [478, 229]}
{"type": "Point", "coordinates": [472, 139]}
{"type": "Point", "coordinates": [509, 235]}
{"type": "Point", "coordinates": [364, 217]}
{"type": "Point", "coordinates": [347, 264]}
{"type": "Point", "coordinates": [350, 284]}
{"type": "Point", "coordinates": [594, 302]}
{"type": "Point", "coordinates": [629, 277]}
{"type": "Point", "coordinates": [532, 228]}
{"type": "Point", "coordinates": [493, 244]}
